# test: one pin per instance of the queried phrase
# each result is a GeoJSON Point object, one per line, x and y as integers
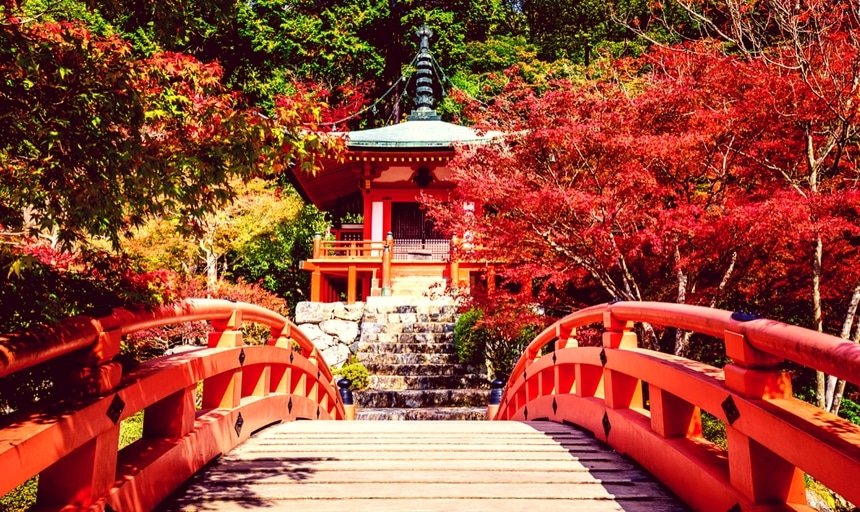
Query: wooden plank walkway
{"type": "Point", "coordinates": [422, 466]}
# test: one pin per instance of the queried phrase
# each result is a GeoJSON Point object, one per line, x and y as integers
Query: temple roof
{"type": "Point", "coordinates": [422, 140]}
{"type": "Point", "coordinates": [423, 128]}
{"type": "Point", "coordinates": [430, 134]}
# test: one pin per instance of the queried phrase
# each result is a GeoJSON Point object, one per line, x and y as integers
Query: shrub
{"type": "Point", "coordinates": [43, 285]}
{"type": "Point", "coordinates": [469, 340]}
{"type": "Point", "coordinates": [479, 344]}
{"type": "Point", "coordinates": [355, 372]}
{"type": "Point", "coordinates": [20, 498]}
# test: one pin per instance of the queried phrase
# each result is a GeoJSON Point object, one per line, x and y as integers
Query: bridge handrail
{"type": "Point", "coordinates": [72, 443]}
{"type": "Point", "coordinates": [772, 437]}
{"type": "Point", "coordinates": [822, 351]}
{"type": "Point", "coordinates": [19, 351]}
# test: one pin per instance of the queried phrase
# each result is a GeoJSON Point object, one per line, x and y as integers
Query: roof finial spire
{"type": "Point", "coordinates": [424, 84]}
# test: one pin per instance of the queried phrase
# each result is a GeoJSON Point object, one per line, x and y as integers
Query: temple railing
{"type": "Point", "coordinates": [422, 250]}
{"type": "Point", "coordinates": [348, 258]}
{"type": "Point", "coordinates": [73, 445]}
{"type": "Point", "coordinates": [349, 249]}
{"type": "Point", "coordinates": [648, 404]}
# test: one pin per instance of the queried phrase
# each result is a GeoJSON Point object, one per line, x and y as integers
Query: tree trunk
{"type": "Point", "coordinates": [835, 387]}
{"type": "Point", "coordinates": [682, 337]}
{"type": "Point", "coordinates": [210, 258]}
{"type": "Point", "coordinates": [817, 320]}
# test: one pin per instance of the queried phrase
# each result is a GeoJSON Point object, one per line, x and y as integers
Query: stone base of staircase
{"type": "Point", "coordinates": [422, 413]}
{"type": "Point", "coordinates": [407, 345]}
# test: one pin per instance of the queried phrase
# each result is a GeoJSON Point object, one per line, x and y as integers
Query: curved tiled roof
{"type": "Point", "coordinates": [416, 134]}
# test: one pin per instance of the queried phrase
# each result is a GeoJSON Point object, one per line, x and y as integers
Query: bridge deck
{"type": "Point", "coordinates": [426, 466]}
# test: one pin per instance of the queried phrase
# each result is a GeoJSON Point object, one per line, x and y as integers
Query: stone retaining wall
{"type": "Point", "coordinates": [333, 327]}
{"type": "Point", "coordinates": [340, 330]}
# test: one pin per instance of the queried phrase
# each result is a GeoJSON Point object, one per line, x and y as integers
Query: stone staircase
{"type": "Point", "coordinates": [417, 286]}
{"type": "Point", "coordinates": [407, 345]}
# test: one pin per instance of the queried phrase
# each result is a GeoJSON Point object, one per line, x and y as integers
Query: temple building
{"type": "Point", "coordinates": [394, 248]}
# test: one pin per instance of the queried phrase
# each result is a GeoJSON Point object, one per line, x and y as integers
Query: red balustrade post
{"type": "Point", "coordinates": [97, 373]}
{"type": "Point", "coordinates": [386, 264]}
{"type": "Point", "coordinates": [88, 473]}
{"type": "Point", "coordinates": [564, 383]}
{"type": "Point", "coordinates": [83, 476]}
{"type": "Point", "coordinates": [317, 250]}
{"type": "Point", "coordinates": [759, 474]}
{"type": "Point", "coordinates": [588, 379]}
{"type": "Point", "coordinates": [255, 380]}
{"type": "Point", "coordinates": [454, 262]}
{"type": "Point", "coordinates": [316, 285]}
{"type": "Point", "coordinates": [351, 284]}
{"type": "Point", "coordinates": [565, 337]}
{"type": "Point", "coordinates": [171, 417]}
{"type": "Point", "coordinates": [312, 391]}
{"type": "Point", "coordinates": [673, 417]}
{"type": "Point", "coordinates": [621, 391]}
{"type": "Point", "coordinates": [224, 391]}
{"type": "Point", "coordinates": [281, 374]}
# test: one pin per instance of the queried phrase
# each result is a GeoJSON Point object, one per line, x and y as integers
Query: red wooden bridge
{"type": "Point", "coordinates": [642, 404]}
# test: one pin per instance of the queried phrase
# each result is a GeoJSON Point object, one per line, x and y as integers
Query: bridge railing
{"type": "Point", "coordinates": [73, 445]}
{"type": "Point", "coordinates": [648, 404]}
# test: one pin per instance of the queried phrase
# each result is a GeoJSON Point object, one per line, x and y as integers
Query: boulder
{"type": "Point", "coordinates": [335, 355]}
{"type": "Point", "coordinates": [313, 312]}
{"type": "Point", "coordinates": [350, 312]}
{"type": "Point", "coordinates": [320, 339]}
{"type": "Point", "coordinates": [341, 329]}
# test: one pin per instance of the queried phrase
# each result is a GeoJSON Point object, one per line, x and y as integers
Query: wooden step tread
{"type": "Point", "coordinates": [427, 466]}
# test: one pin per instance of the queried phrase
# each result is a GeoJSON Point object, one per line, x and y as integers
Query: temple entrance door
{"type": "Point", "coordinates": [415, 237]}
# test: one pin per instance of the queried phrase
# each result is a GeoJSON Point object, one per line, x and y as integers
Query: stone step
{"type": "Point", "coordinates": [381, 359]}
{"type": "Point", "coordinates": [375, 398]}
{"type": "Point", "coordinates": [446, 370]}
{"type": "Point", "coordinates": [398, 337]}
{"type": "Point", "coordinates": [423, 414]}
{"type": "Point", "coordinates": [408, 318]}
{"type": "Point", "coordinates": [422, 382]}
{"type": "Point", "coordinates": [411, 332]}
{"type": "Point", "coordinates": [427, 327]}
{"type": "Point", "coordinates": [405, 348]}
{"type": "Point", "coordinates": [390, 305]}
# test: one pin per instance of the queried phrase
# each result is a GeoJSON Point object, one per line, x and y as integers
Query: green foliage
{"type": "Point", "coordinates": [41, 285]}
{"type": "Point", "coordinates": [20, 498]}
{"type": "Point", "coordinates": [477, 343]}
{"type": "Point", "coordinates": [272, 258]}
{"type": "Point", "coordinates": [469, 340]}
{"type": "Point", "coordinates": [327, 43]}
{"type": "Point", "coordinates": [67, 102]}
{"type": "Point", "coordinates": [68, 10]}
{"type": "Point", "coordinates": [850, 410]}
{"type": "Point", "coordinates": [571, 31]}
{"type": "Point", "coordinates": [203, 28]}
{"type": "Point", "coordinates": [355, 372]}
{"type": "Point", "coordinates": [714, 430]}
{"type": "Point", "coordinates": [131, 429]}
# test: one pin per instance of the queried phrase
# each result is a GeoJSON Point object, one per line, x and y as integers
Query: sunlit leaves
{"type": "Point", "coordinates": [96, 141]}
{"type": "Point", "coordinates": [682, 176]}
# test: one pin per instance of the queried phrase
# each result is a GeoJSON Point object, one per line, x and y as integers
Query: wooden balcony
{"type": "Point", "coordinates": [354, 269]}
{"type": "Point", "coordinates": [334, 250]}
